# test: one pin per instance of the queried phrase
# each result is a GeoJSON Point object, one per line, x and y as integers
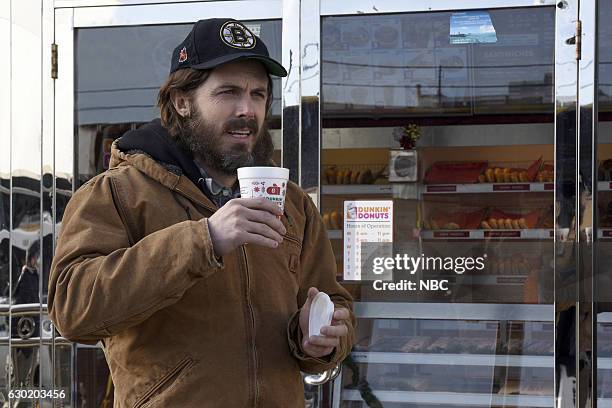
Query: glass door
{"type": "Point", "coordinates": [601, 111]}
{"type": "Point", "coordinates": [112, 61]}
{"type": "Point", "coordinates": [438, 186]}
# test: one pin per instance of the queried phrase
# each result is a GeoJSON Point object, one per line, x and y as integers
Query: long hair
{"type": "Point", "coordinates": [187, 81]}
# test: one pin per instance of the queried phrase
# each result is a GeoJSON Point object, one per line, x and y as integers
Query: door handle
{"type": "Point", "coordinates": [322, 378]}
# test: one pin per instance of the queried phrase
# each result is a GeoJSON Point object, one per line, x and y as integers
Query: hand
{"type": "Point", "coordinates": [246, 221]}
{"type": "Point", "coordinates": [320, 346]}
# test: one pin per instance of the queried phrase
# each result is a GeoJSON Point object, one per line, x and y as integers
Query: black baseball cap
{"type": "Point", "coordinates": [216, 41]}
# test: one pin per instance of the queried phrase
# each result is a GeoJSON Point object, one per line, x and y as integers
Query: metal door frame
{"type": "Point", "coordinates": [566, 76]}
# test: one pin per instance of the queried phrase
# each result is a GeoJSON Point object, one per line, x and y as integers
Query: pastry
{"type": "Point", "coordinates": [346, 179]}
{"type": "Point", "coordinates": [339, 177]}
{"type": "Point", "coordinates": [499, 175]}
{"type": "Point", "coordinates": [506, 172]}
{"type": "Point", "coordinates": [493, 223]}
{"type": "Point", "coordinates": [365, 177]}
{"type": "Point", "coordinates": [326, 220]}
{"type": "Point", "coordinates": [334, 220]}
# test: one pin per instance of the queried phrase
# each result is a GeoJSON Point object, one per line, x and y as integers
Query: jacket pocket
{"type": "Point", "coordinates": [164, 383]}
{"type": "Point", "coordinates": [295, 247]}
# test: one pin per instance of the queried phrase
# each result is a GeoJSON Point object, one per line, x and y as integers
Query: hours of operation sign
{"type": "Point", "coordinates": [364, 221]}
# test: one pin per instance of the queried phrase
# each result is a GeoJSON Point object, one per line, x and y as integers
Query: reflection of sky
{"type": "Point", "coordinates": [25, 106]}
{"type": "Point", "coordinates": [5, 101]}
{"type": "Point", "coordinates": [120, 84]}
{"type": "Point", "coordinates": [471, 23]}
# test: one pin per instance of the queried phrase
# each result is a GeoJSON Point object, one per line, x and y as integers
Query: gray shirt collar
{"type": "Point", "coordinates": [220, 193]}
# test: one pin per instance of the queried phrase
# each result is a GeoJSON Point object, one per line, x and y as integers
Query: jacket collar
{"type": "Point", "coordinates": [151, 150]}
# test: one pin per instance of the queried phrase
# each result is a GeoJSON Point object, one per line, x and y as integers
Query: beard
{"type": "Point", "coordinates": [205, 142]}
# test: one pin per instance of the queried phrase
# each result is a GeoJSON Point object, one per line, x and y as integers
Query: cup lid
{"type": "Point", "coordinates": [321, 313]}
{"type": "Point", "coordinates": [263, 172]}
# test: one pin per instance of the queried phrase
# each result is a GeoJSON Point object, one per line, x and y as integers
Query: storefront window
{"type": "Point", "coordinates": [116, 86]}
{"type": "Point", "coordinates": [438, 136]}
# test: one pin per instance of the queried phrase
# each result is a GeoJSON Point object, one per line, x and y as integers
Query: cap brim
{"type": "Point", "coordinates": [273, 67]}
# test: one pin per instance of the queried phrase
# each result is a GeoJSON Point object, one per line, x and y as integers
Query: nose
{"type": "Point", "coordinates": [245, 108]}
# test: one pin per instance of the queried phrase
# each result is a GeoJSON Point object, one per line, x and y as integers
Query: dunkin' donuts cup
{"type": "Point", "coordinates": [268, 182]}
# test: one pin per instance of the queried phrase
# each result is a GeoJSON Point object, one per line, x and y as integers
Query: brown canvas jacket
{"type": "Point", "coordinates": [134, 267]}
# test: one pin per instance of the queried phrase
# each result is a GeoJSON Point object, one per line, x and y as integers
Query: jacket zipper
{"type": "Point", "coordinates": [252, 315]}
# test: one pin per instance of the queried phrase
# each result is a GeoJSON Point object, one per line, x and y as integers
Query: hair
{"type": "Point", "coordinates": [187, 81]}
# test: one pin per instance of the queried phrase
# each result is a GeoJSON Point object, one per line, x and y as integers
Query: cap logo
{"type": "Point", "coordinates": [236, 35]}
{"type": "Point", "coordinates": [183, 55]}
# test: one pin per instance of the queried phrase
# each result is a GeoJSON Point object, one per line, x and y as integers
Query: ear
{"type": "Point", "coordinates": [181, 103]}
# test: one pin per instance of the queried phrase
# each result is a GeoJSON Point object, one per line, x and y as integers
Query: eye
{"type": "Point", "coordinates": [260, 95]}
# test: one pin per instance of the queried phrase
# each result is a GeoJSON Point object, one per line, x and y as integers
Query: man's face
{"type": "Point", "coordinates": [227, 121]}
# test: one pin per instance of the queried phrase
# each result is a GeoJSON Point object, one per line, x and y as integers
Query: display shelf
{"type": "Point", "coordinates": [604, 233]}
{"type": "Point", "coordinates": [604, 363]}
{"type": "Point", "coordinates": [357, 189]}
{"type": "Point", "coordinates": [604, 317]}
{"type": "Point", "coordinates": [488, 188]}
{"type": "Point", "coordinates": [334, 234]}
{"type": "Point", "coordinates": [487, 234]}
{"type": "Point", "coordinates": [490, 360]}
{"type": "Point", "coordinates": [487, 279]}
{"type": "Point", "coordinates": [454, 398]}
{"type": "Point", "coordinates": [604, 186]}
{"type": "Point", "coordinates": [455, 311]}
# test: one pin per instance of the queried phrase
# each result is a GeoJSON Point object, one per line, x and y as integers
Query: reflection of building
{"type": "Point", "coordinates": [532, 92]}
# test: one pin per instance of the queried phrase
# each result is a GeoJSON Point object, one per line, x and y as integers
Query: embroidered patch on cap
{"type": "Point", "coordinates": [236, 35]}
{"type": "Point", "coordinates": [183, 55]}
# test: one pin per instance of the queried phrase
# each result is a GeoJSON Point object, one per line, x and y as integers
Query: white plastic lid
{"type": "Point", "coordinates": [263, 172]}
{"type": "Point", "coordinates": [321, 313]}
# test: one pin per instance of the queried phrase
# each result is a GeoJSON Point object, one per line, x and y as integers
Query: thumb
{"type": "Point", "coordinates": [312, 292]}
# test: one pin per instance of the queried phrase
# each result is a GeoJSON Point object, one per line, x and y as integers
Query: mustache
{"type": "Point", "coordinates": [241, 123]}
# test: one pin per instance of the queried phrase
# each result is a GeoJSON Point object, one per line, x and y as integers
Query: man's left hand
{"type": "Point", "coordinates": [323, 345]}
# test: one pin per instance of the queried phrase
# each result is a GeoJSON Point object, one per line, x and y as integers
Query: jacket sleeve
{"type": "Point", "coordinates": [318, 269]}
{"type": "Point", "coordinates": [99, 285]}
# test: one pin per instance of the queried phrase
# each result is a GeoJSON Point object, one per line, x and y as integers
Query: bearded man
{"type": "Point", "coordinates": [199, 298]}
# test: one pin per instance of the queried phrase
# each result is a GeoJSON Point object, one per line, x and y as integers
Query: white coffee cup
{"type": "Point", "coordinates": [267, 182]}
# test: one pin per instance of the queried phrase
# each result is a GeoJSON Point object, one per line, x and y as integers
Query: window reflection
{"type": "Point", "coordinates": [406, 63]}
{"type": "Point", "coordinates": [116, 87]}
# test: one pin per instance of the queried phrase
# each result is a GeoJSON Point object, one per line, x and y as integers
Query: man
{"type": "Point", "coordinates": [200, 298]}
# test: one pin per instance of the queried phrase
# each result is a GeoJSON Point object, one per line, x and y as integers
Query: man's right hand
{"type": "Point", "coordinates": [245, 221]}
